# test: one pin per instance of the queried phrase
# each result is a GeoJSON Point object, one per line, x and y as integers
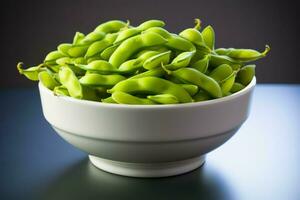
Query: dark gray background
{"type": "Point", "coordinates": [30, 29]}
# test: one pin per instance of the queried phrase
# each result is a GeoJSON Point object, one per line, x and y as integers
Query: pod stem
{"type": "Point", "coordinates": [197, 24]}
{"type": "Point", "coordinates": [169, 72]}
{"type": "Point", "coordinates": [267, 49]}
{"type": "Point", "coordinates": [19, 67]}
{"type": "Point", "coordinates": [127, 23]}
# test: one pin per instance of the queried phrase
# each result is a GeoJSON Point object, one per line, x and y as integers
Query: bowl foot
{"type": "Point", "coordinates": [149, 170]}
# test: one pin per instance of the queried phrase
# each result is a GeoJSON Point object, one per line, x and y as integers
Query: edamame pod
{"type": "Point", "coordinates": [92, 37]}
{"type": "Point", "coordinates": [201, 96]}
{"type": "Point", "coordinates": [221, 72]}
{"type": "Point", "coordinates": [61, 91]}
{"type": "Point", "coordinates": [227, 83]}
{"type": "Point", "coordinates": [217, 60]}
{"type": "Point", "coordinates": [69, 80]}
{"type": "Point", "coordinates": [246, 74]}
{"type": "Point", "coordinates": [125, 98]}
{"type": "Point", "coordinates": [106, 53]}
{"type": "Point", "coordinates": [108, 100]}
{"type": "Point", "coordinates": [208, 35]}
{"type": "Point", "coordinates": [243, 55]}
{"type": "Point", "coordinates": [77, 38]}
{"type": "Point", "coordinates": [98, 66]}
{"type": "Point", "coordinates": [237, 87]}
{"type": "Point", "coordinates": [145, 85]}
{"type": "Point", "coordinates": [125, 34]}
{"type": "Point", "coordinates": [32, 73]}
{"type": "Point", "coordinates": [193, 76]}
{"type": "Point", "coordinates": [53, 55]}
{"type": "Point", "coordinates": [191, 89]}
{"type": "Point", "coordinates": [202, 64]}
{"type": "Point", "coordinates": [151, 23]}
{"type": "Point", "coordinates": [194, 35]}
{"type": "Point", "coordinates": [101, 80]}
{"type": "Point", "coordinates": [131, 45]}
{"type": "Point", "coordinates": [98, 46]}
{"type": "Point", "coordinates": [77, 50]}
{"type": "Point", "coordinates": [47, 80]}
{"type": "Point", "coordinates": [64, 48]}
{"type": "Point", "coordinates": [182, 60]}
{"type": "Point", "coordinates": [173, 41]}
{"type": "Point", "coordinates": [135, 64]}
{"type": "Point", "coordinates": [163, 98]}
{"type": "Point", "coordinates": [156, 60]}
{"type": "Point", "coordinates": [111, 26]}
{"type": "Point", "coordinates": [157, 72]}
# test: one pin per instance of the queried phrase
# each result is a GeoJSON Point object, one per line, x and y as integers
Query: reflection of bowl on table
{"type": "Point", "coordinates": [147, 140]}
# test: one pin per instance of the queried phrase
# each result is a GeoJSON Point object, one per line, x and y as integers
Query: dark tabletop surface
{"type": "Point", "coordinates": [262, 161]}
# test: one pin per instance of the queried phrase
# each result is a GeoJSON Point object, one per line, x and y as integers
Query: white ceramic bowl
{"type": "Point", "coordinates": [147, 140]}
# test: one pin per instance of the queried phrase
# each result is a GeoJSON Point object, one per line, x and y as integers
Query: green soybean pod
{"type": "Point", "coordinates": [125, 98]}
{"type": "Point", "coordinates": [130, 66]}
{"type": "Point", "coordinates": [237, 87]}
{"type": "Point", "coordinates": [60, 91]}
{"type": "Point", "coordinates": [98, 46]}
{"type": "Point", "coordinates": [182, 60]}
{"type": "Point", "coordinates": [133, 65]}
{"type": "Point", "coordinates": [194, 35]}
{"type": "Point", "coordinates": [111, 26]}
{"type": "Point", "coordinates": [150, 51]}
{"type": "Point", "coordinates": [64, 61]}
{"type": "Point", "coordinates": [157, 72]}
{"type": "Point", "coordinates": [47, 80]}
{"type": "Point", "coordinates": [201, 96]}
{"type": "Point", "coordinates": [173, 41]}
{"type": "Point", "coordinates": [106, 53]}
{"type": "Point", "coordinates": [208, 35]}
{"type": "Point", "coordinates": [202, 64]}
{"type": "Point", "coordinates": [53, 68]}
{"type": "Point", "coordinates": [227, 83]}
{"type": "Point", "coordinates": [163, 98]}
{"type": "Point", "coordinates": [243, 55]}
{"type": "Point", "coordinates": [217, 60]}
{"type": "Point", "coordinates": [152, 85]}
{"type": "Point", "coordinates": [64, 48]}
{"type": "Point", "coordinates": [78, 50]}
{"type": "Point", "coordinates": [190, 88]}
{"type": "Point", "coordinates": [156, 60]}
{"type": "Point", "coordinates": [108, 100]}
{"type": "Point", "coordinates": [32, 73]}
{"type": "Point", "coordinates": [193, 76]}
{"type": "Point", "coordinates": [98, 66]}
{"type": "Point", "coordinates": [221, 72]}
{"type": "Point", "coordinates": [246, 74]}
{"type": "Point", "coordinates": [101, 80]}
{"type": "Point", "coordinates": [151, 23]}
{"type": "Point", "coordinates": [77, 38]}
{"type": "Point", "coordinates": [125, 34]}
{"type": "Point", "coordinates": [93, 58]}
{"type": "Point", "coordinates": [133, 44]}
{"type": "Point", "coordinates": [92, 37]}
{"type": "Point", "coordinates": [69, 80]}
{"type": "Point", "coordinates": [53, 55]}
{"type": "Point", "coordinates": [177, 42]}
{"type": "Point", "coordinates": [196, 38]}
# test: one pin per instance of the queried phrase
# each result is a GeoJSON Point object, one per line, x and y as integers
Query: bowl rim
{"type": "Point", "coordinates": [158, 106]}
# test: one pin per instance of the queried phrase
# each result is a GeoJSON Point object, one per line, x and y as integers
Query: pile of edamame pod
{"type": "Point", "coordinates": [145, 64]}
